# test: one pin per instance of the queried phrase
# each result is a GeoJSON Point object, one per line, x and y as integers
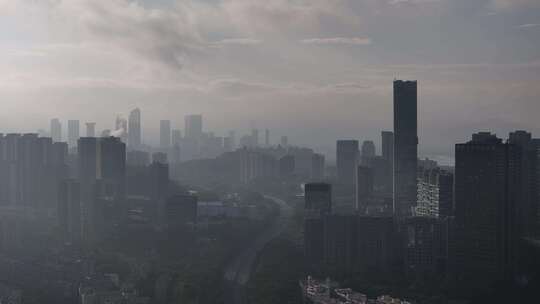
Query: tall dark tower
{"type": "Point", "coordinates": [405, 147]}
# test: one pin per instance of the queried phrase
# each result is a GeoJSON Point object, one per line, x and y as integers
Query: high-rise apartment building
{"type": "Point", "coordinates": [435, 193]}
{"type": "Point", "coordinates": [486, 186]}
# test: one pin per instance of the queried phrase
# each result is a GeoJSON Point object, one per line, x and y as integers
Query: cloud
{"type": "Point", "coordinates": [528, 25]}
{"type": "Point", "coordinates": [162, 36]}
{"type": "Point", "coordinates": [239, 41]}
{"type": "Point", "coordinates": [414, 2]}
{"type": "Point", "coordinates": [338, 40]}
{"type": "Point", "coordinates": [514, 4]}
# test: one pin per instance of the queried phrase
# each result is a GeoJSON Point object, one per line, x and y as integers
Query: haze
{"type": "Point", "coordinates": [315, 70]}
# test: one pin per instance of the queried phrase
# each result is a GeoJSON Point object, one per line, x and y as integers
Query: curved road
{"type": "Point", "coordinates": [239, 270]}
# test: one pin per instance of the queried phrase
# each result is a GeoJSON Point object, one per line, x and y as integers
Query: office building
{"type": "Point", "coordinates": [405, 147]}
{"type": "Point", "coordinates": [180, 210]}
{"type": "Point", "coordinates": [176, 139]}
{"type": "Point", "coordinates": [529, 195]}
{"type": "Point", "coordinates": [254, 138]}
{"type": "Point", "coordinates": [364, 188]}
{"type": "Point", "coordinates": [138, 158]}
{"type": "Point", "coordinates": [340, 243]}
{"type": "Point", "coordinates": [134, 129]}
{"type": "Point", "coordinates": [375, 245]}
{"type": "Point", "coordinates": [425, 245]}
{"type": "Point", "coordinates": [69, 211]}
{"type": "Point", "coordinates": [317, 167]}
{"type": "Point", "coordinates": [486, 185]}
{"type": "Point", "coordinates": [229, 142]}
{"type": "Point", "coordinates": [318, 198]}
{"type": "Point", "coordinates": [314, 242]}
{"type": "Point", "coordinates": [387, 147]}
{"type": "Point", "coordinates": [347, 161]}
{"type": "Point", "coordinates": [159, 181]}
{"type": "Point", "coordinates": [160, 157]}
{"type": "Point", "coordinates": [90, 129]}
{"type": "Point", "coordinates": [102, 175]}
{"type": "Point", "coordinates": [317, 204]}
{"type": "Point", "coordinates": [88, 173]}
{"type": "Point", "coordinates": [368, 152]}
{"type": "Point", "coordinates": [267, 138]}
{"type": "Point", "coordinates": [193, 126]}
{"type": "Point", "coordinates": [73, 133]}
{"type": "Point", "coordinates": [286, 166]}
{"type": "Point", "coordinates": [56, 130]}
{"type": "Point", "coordinates": [284, 141]}
{"type": "Point", "coordinates": [112, 166]}
{"type": "Point", "coordinates": [255, 165]}
{"type": "Point", "coordinates": [165, 134]}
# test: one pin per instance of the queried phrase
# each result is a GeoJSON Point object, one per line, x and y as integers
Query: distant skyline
{"type": "Point", "coordinates": [314, 70]}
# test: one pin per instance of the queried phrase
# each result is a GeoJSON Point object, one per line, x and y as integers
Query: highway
{"type": "Point", "coordinates": [237, 273]}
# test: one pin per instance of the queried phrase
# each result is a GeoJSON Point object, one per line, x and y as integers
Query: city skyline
{"type": "Point", "coordinates": [282, 151]}
{"type": "Point", "coordinates": [216, 64]}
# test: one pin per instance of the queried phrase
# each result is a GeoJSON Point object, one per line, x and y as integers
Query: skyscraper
{"type": "Point", "coordinates": [112, 166]}
{"type": "Point", "coordinates": [266, 138]}
{"type": "Point", "coordinates": [387, 139]}
{"type": "Point", "coordinates": [90, 129]}
{"type": "Point", "coordinates": [69, 210]}
{"type": "Point", "coordinates": [102, 172]}
{"type": "Point", "coordinates": [56, 130]}
{"type": "Point", "coordinates": [73, 133]}
{"type": "Point", "coordinates": [368, 148]}
{"type": "Point", "coordinates": [88, 171]}
{"type": "Point", "coordinates": [193, 126]}
{"type": "Point", "coordinates": [318, 198]}
{"type": "Point", "coordinates": [255, 137]}
{"type": "Point", "coordinates": [387, 147]}
{"type": "Point", "coordinates": [165, 134]}
{"type": "Point", "coordinates": [180, 210]}
{"type": "Point", "coordinates": [368, 152]}
{"type": "Point", "coordinates": [364, 187]}
{"type": "Point", "coordinates": [317, 167]}
{"type": "Point", "coordinates": [347, 161]}
{"type": "Point", "coordinates": [134, 129]}
{"type": "Point", "coordinates": [486, 183]}
{"type": "Point", "coordinates": [176, 138]}
{"type": "Point", "coordinates": [529, 199]}
{"type": "Point", "coordinates": [284, 141]}
{"type": "Point", "coordinates": [318, 203]}
{"type": "Point", "coordinates": [405, 147]}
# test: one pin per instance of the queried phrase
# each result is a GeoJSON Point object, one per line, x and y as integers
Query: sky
{"type": "Point", "coordinates": [315, 70]}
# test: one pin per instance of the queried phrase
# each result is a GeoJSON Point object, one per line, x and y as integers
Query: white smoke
{"type": "Point", "coordinates": [118, 133]}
